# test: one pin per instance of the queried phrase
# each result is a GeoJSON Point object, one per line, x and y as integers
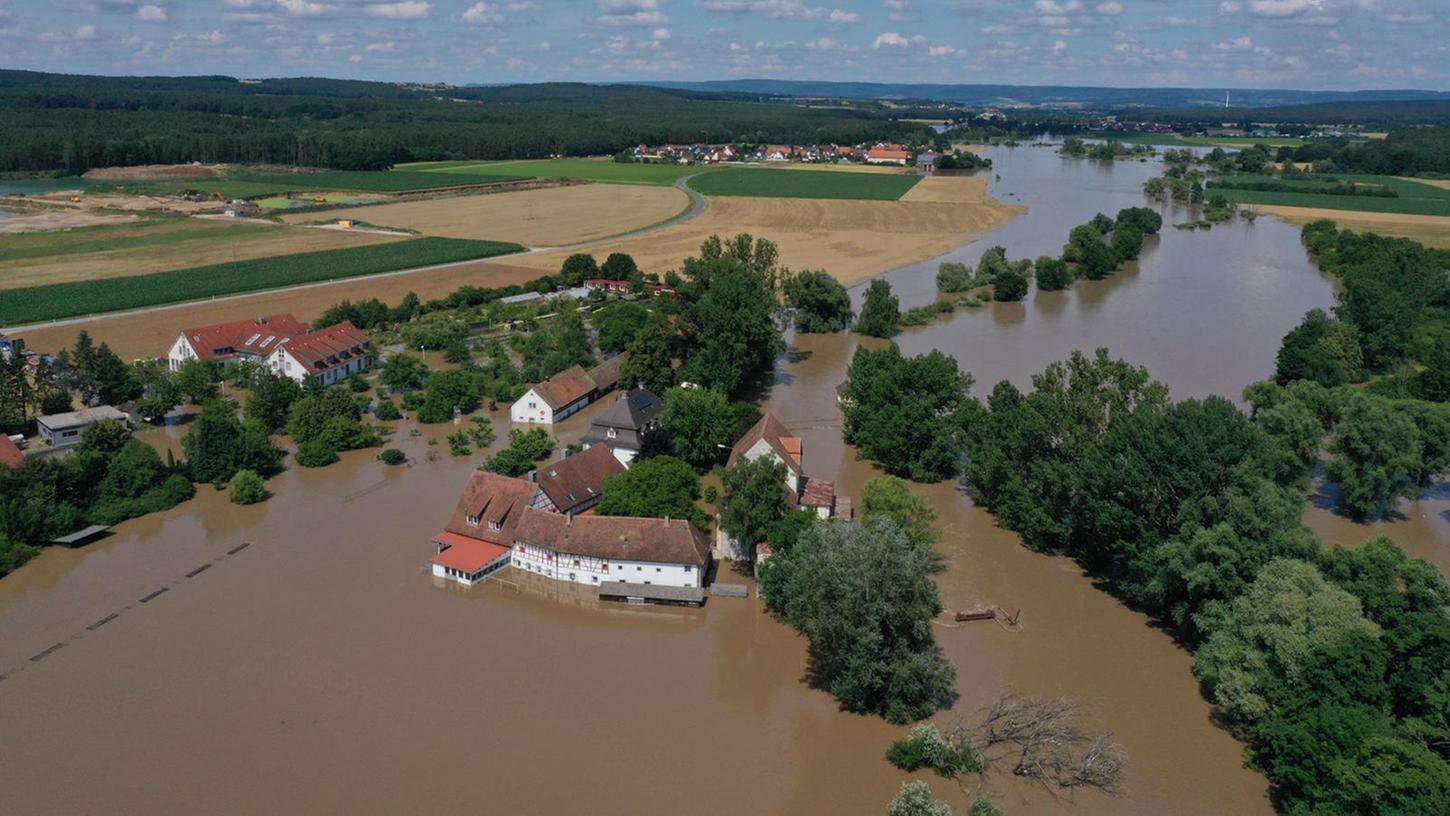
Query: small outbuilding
{"type": "Point", "coordinates": [60, 430]}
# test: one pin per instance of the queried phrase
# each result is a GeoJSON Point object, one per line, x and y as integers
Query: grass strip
{"type": "Point", "coordinates": [61, 300]}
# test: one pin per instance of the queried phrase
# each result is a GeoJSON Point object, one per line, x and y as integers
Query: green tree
{"type": "Point", "coordinates": [316, 453]}
{"type": "Point", "coordinates": [246, 488]}
{"type": "Point", "coordinates": [403, 372]}
{"type": "Point", "coordinates": [953, 277]}
{"type": "Point", "coordinates": [196, 379]}
{"type": "Point", "coordinates": [821, 304]}
{"type": "Point", "coordinates": [217, 445]}
{"type": "Point", "coordinates": [133, 470]}
{"type": "Point", "coordinates": [1127, 242]}
{"type": "Point", "coordinates": [1145, 219]}
{"type": "Point", "coordinates": [1010, 284]}
{"type": "Point", "coordinates": [731, 323]}
{"type": "Point", "coordinates": [1391, 775]}
{"type": "Point", "coordinates": [658, 487]}
{"type": "Point", "coordinates": [864, 599]}
{"type": "Point", "coordinates": [1376, 456]}
{"type": "Point", "coordinates": [272, 398]}
{"type": "Point", "coordinates": [754, 500]}
{"type": "Point", "coordinates": [909, 414]}
{"type": "Point", "coordinates": [890, 498]}
{"type": "Point", "coordinates": [578, 268]}
{"type": "Point", "coordinates": [1322, 350]}
{"type": "Point", "coordinates": [310, 416]}
{"type": "Point", "coordinates": [651, 358]}
{"type": "Point", "coordinates": [619, 323]}
{"type": "Point", "coordinates": [618, 266]}
{"type": "Point", "coordinates": [914, 799]}
{"type": "Point", "coordinates": [700, 424]}
{"type": "Point", "coordinates": [1273, 630]}
{"type": "Point", "coordinates": [1052, 274]}
{"type": "Point", "coordinates": [880, 311]}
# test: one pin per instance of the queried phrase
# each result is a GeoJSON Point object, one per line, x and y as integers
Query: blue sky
{"type": "Point", "coordinates": [1313, 44]}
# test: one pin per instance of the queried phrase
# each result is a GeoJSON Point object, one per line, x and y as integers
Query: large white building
{"type": "Point", "coordinates": [496, 524]}
{"type": "Point", "coordinates": [282, 344]}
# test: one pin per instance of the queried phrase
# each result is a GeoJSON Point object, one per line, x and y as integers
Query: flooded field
{"type": "Point", "coordinates": [319, 669]}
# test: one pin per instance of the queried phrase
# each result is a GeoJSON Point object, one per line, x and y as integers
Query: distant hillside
{"type": "Point", "coordinates": [70, 123]}
{"type": "Point", "coordinates": [1049, 95]}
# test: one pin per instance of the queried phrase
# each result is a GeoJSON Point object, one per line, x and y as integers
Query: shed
{"type": "Point", "coordinates": [82, 536]}
{"type": "Point", "coordinates": [65, 429]}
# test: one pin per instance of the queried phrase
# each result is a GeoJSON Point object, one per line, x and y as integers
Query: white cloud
{"type": "Point", "coordinates": [660, 34]}
{"type": "Point", "coordinates": [1058, 47]}
{"type": "Point", "coordinates": [1284, 8]}
{"type": "Point", "coordinates": [483, 14]}
{"type": "Point", "coordinates": [1110, 8]}
{"type": "Point", "coordinates": [150, 13]}
{"type": "Point", "coordinates": [1236, 44]}
{"type": "Point", "coordinates": [780, 10]}
{"type": "Point", "coordinates": [631, 13]}
{"type": "Point", "coordinates": [1230, 7]}
{"type": "Point", "coordinates": [890, 39]}
{"type": "Point", "coordinates": [945, 51]}
{"type": "Point", "coordinates": [406, 10]}
{"type": "Point", "coordinates": [307, 8]}
{"type": "Point", "coordinates": [85, 32]}
{"type": "Point", "coordinates": [1053, 7]}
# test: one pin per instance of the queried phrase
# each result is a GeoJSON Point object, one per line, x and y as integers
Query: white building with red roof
{"type": "Point", "coordinates": [282, 343]}
{"type": "Point", "coordinates": [887, 154]}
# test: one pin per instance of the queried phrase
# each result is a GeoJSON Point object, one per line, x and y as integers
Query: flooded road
{"type": "Point", "coordinates": [318, 669]}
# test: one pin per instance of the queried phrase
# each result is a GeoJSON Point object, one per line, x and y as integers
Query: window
{"type": "Point", "coordinates": [657, 569]}
{"type": "Point", "coordinates": [611, 433]}
{"type": "Point", "coordinates": [472, 520]}
{"type": "Point", "coordinates": [533, 405]}
{"type": "Point", "coordinates": [494, 525]}
{"type": "Point", "coordinates": [688, 568]}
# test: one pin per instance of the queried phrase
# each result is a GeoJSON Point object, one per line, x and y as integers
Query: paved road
{"type": "Point", "coordinates": [698, 204]}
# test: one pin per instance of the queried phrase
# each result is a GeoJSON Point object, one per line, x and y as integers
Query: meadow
{"type": "Point", "coordinates": [62, 300]}
{"type": "Point", "coordinates": [1178, 140]}
{"type": "Point", "coordinates": [601, 170]}
{"type": "Point", "coordinates": [772, 183]}
{"type": "Point", "coordinates": [1413, 198]}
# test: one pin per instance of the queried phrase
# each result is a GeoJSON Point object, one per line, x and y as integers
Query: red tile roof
{"type": "Point", "coordinates": [887, 154]}
{"type": "Point", "coordinates": [770, 429]}
{"type": "Point", "coordinates": [329, 347]}
{"type": "Point", "coordinates": [818, 493]}
{"type": "Point", "coordinates": [616, 538]}
{"type": "Point", "coordinates": [578, 479]}
{"type": "Point", "coordinates": [259, 336]}
{"type": "Point", "coordinates": [9, 454]}
{"type": "Point", "coordinates": [492, 500]}
{"type": "Point", "coordinates": [467, 554]}
{"type": "Point", "coordinates": [565, 388]}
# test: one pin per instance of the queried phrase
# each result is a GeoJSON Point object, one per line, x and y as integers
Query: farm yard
{"type": "Point", "coordinates": [144, 247]}
{"type": "Point", "coordinates": [551, 216]}
{"type": "Point", "coordinates": [773, 183]}
{"type": "Point", "coordinates": [62, 300]}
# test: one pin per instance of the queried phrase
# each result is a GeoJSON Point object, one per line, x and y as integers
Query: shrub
{"type": "Point", "coordinates": [953, 277]}
{"type": "Point", "coordinates": [712, 494]}
{"type": "Point", "coordinates": [392, 456]}
{"type": "Point", "coordinates": [315, 454]}
{"type": "Point", "coordinates": [387, 411]}
{"type": "Point", "coordinates": [926, 747]}
{"type": "Point", "coordinates": [246, 488]}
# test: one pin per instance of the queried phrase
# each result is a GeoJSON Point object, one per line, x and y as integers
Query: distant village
{"type": "Point", "coordinates": [702, 153]}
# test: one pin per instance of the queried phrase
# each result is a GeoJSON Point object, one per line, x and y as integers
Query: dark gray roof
{"type": "Point", "coordinates": [634, 409]}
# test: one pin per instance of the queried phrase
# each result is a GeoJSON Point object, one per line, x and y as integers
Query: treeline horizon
{"type": "Point", "coordinates": [70, 124]}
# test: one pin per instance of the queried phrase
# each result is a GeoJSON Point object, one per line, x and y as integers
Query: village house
{"type": "Point", "coordinates": [61, 430]}
{"type": "Point", "coordinates": [575, 483]}
{"type": "Point", "coordinates": [926, 163]}
{"type": "Point", "coordinates": [622, 427]}
{"type": "Point", "coordinates": [622, 287]}
{"type": "Point", "coordinates": [495, 525]}
{"type": "Point", "coordinates": [566, 393]}
{"type": "Point", "coordinates": [10, 454]}
{"type": "Point", "coordinates": [281, 343]}
{"type": "Point", "coordinates": [770, 438]}
{"type": "Point", "coordinates": [887, 154]}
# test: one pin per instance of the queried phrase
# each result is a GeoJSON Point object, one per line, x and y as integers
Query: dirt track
{"type": "Point", "coordinates": [547, 217]}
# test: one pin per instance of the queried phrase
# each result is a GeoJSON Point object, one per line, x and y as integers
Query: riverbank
{"type": "Point", "coordinates": [1430, 230]}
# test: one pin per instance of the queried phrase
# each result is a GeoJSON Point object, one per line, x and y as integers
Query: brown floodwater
{"type": "Point", "coordinates": [319, 669]}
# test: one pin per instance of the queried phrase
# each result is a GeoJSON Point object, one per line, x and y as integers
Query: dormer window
{"type": "Point", "coordinates": [495, 525]}
{"type": "Point", "coordinates": [472, 520]}
{"type": "Point", "coordinates": [611, 433]}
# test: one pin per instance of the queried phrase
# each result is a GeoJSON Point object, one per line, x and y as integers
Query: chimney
{"type": "Point", "coordinates": [569, 519]}
{"type": "Point", "coordinates": [262, 321]}
{"type": "Point", "coordinates": [533, 475]}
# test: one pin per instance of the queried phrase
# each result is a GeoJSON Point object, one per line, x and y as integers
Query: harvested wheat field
{"type": "Point", "coordinates": [113, 252]}
{"type": "Point", "coordinates": [1443, 184]}
{"type": "Point", "coordinates": [553, 216]}
{"type": "Point", "coordinates": [852, 240]}
{"type": "Point", "coordinates": [949, 190]}
{"type": "Point", "coordinates": [48, 220]}
{"type": "Point", "coordinates": [1430, 230]}
{"type": "Point", "coordinates": [148, 334]}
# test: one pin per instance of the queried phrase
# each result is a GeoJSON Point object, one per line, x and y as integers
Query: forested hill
{"type": "Point", "coordinates": [73, 123]}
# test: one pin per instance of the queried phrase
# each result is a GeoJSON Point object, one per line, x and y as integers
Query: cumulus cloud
{"type": "Point", "coordinates": [1110, 8]}
{"type": "Point", "coordinates": [150, 13]}
{"type": "Point", "coordinates": [890, 39]}
{"type": "Point", "coordinates": [631, 13]}
{"type": "Point", "coordinates": [85, 32]}
{"type": "Point", "coordinates": [483, 14]}
{"type": "Point", "coordinates": [1235, 44]}
{"type": "Point", "coordinates": [406, 10]}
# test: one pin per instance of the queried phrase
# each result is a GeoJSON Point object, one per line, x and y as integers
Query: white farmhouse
{"type": "Point", "coordinates": [328, 355]}
{"type": "Point", "coordinates": [281, 343]}
{"type": "Point", "coordinates": [567, 392]}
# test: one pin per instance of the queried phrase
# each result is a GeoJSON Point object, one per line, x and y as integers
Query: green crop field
{"type": "Point", "coordinates": [1413, 198]}
{"type": "Point", "coordinates": [388, 181]}
{"type": "Point", "coordinates": [1176, 140]}
{"type": "Point", "coordinates": [602, 170]}
{"type": "Point", "coordinates": [770, 183]}
{"type": "Point", "coordinates": [61, 300]}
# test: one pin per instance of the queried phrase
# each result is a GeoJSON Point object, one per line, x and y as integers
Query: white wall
{"type": "Point", "coordinates": [592, 571]}
{"type": "Point", "coordinates": [531, 408]}
{"type": "Point", "coordinates": [181, 351]}
{"type": "Point", "coordinates": [763, 448]}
